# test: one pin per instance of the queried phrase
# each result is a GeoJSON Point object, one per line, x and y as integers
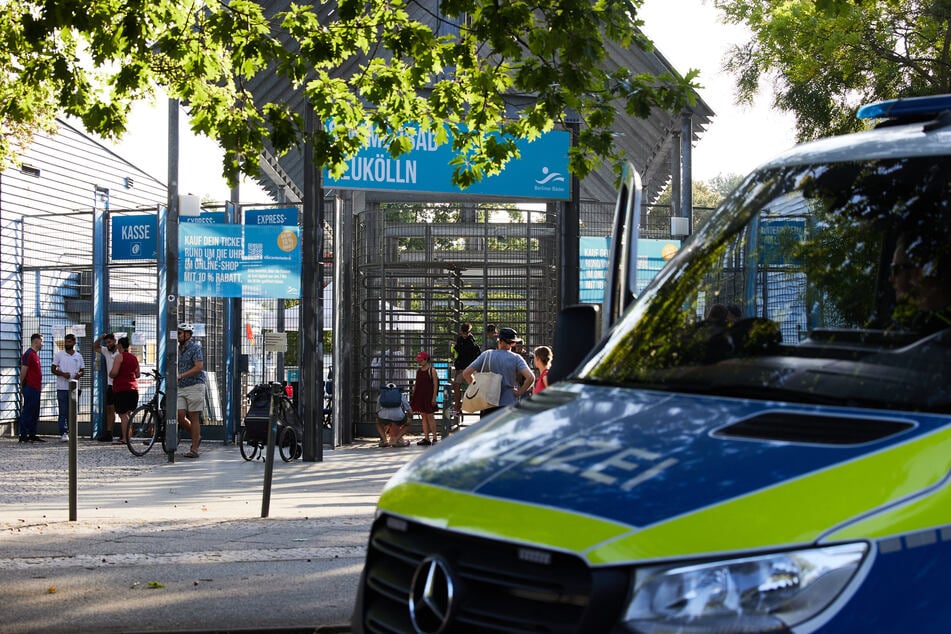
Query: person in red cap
{"type": "Point", "coordinates": [423, 396]}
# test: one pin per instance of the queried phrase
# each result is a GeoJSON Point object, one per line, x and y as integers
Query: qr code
{"type": "Point", "coordinates": [255, 250]}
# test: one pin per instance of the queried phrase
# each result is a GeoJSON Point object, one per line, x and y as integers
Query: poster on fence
{"type": "Point", "coordinates": [259, 262]}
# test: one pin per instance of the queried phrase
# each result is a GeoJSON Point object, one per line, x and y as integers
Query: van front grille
{"type": "Point", "coordinates": [497, 586]}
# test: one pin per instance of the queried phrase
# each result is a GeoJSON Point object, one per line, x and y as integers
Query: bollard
{"type": "Point", "coordinates": [276, 391]}
{"type": "Point", "coordinates": [72, 429]}
{"type": "Point", "coordinates": [171, 431]}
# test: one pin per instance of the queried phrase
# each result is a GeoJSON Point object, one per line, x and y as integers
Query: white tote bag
{"type": "Point", "coordinates": [484, 390]}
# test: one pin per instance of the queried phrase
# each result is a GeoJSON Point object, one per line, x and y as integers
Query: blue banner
{"type": "Point", "coordinates": [540, 172]}
{"type": "Point", "coordinates": [280, 216]}
{"type": "Point", "coordinates": [205, 218]}
{"type": "Point", "coordinates": [593, 256]}
{"type": "Point", "coordinates": [262, 262]}
{"type": "Point", "coordinates": [133, 237]}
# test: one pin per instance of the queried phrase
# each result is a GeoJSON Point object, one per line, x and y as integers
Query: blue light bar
{"type": "Point", "coordinates": [905, 107]}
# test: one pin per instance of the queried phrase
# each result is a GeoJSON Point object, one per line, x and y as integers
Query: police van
{"type": "Point", "coordinates": [781, 467]}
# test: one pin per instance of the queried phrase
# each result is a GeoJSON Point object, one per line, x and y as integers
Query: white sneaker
{"type": "Point", "coordinates": [64, 437]}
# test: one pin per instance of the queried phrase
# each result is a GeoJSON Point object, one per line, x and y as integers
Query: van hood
{"type": "Point", "coordinates": [616, 472]}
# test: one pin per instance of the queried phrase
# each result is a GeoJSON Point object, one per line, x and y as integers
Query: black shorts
{"type": "Point", "coordinates": [110, 397]}
{"type": "Point", "coordinates": [126, 401]}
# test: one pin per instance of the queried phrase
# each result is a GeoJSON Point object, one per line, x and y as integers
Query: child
{"type": "Point", "coordinates": [542, 363]}
{"type": "Point", "coordinates": [391, 422]}
{"type": "Point", "coordinates": [423, 397]}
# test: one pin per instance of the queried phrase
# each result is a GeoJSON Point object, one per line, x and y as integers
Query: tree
{"type": "Point", "coordinates": [499, 72]}
{"type": "Point", "coordinates": [706, 197]}
{"type": "Point", "coordinates": [828, 57]}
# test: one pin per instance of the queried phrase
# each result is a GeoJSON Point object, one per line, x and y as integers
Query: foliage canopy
{"type": "Point", "coordinates": [828, 57]}
{"type": "Point", "coordinates": [484, 71]}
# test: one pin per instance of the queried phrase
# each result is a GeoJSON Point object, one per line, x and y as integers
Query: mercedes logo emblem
{"type": "Point", "coordinates": [431, 596]}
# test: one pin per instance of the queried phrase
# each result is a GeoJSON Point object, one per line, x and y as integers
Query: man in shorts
{"type": "Point", "coordinates": [191, 386]}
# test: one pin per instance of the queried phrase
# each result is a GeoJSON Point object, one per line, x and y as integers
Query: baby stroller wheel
{"type": "Point", "coordinates": [249, 449]}
{"type": "Point", "coordinates": [288, 445]}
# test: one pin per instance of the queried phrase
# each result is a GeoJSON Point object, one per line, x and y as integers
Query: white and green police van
{"type": "Point", "coordinates": [787, 471]}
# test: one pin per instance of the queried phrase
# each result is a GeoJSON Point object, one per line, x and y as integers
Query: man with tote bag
{"type": "Point", "coordinates": [504, 363]}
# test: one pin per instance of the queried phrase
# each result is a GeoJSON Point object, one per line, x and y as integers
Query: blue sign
{"type": "Point", "coordinates": [593, 254]}
{"type": "Point", "coordinates": [541, 172]}
{"type": "Point", "coordinates": [239, 261]}
{"type": "Point", "coordinates": [280, 216]}
{"type": "Point", "coordinates": [204, 218]}
{"type": "Point", "coordinates": [133, 237]}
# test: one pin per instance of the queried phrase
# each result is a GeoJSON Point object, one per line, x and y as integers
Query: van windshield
{"type": "Point", "coordinates": [825, 283]}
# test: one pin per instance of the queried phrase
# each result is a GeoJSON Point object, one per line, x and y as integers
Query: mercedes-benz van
{"type": "Point", "coordinates": [785, 469]}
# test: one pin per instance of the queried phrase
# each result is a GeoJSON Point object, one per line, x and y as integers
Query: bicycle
{"type": "Point", "coordinates": [147, 421]}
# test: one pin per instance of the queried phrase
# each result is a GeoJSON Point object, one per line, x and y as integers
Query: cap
{"type": "Point", "coordinates": [508, 335]}
{"type": "Point", "coordinates": [391, 385]}
{"type": "Point", "coordinates": [422, 356]}
{"type": "Point", "coordinates": [186, 327]}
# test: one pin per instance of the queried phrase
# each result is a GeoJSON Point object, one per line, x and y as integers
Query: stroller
{"type": "Point", "coordinates": [253, 437]}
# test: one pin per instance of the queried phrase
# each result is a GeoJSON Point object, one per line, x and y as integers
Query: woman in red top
{"type": "Point", "coordinates": [125, 386]}
{"type": "Point", "coordinates": [542, 363]}
{"type": "Point", "coordinates": [423, 396]}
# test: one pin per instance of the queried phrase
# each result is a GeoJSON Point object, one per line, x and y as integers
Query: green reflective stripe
{"type": "Point", "coordinates": [798, 511]}
{"type": "Point", "coordinates": [930, 511]}
{"type": "Point", "coordinates": [494, 517]}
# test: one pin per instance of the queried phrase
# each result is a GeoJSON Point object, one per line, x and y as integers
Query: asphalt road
{"type": "Point", "coordinates": [182, 547]}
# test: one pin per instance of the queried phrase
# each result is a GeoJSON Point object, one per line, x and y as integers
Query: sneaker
{"type": "Point", "coordinates": [23, 439]}
{"type": "Point", "coordinates": [36, 439]}
{"type": "Point", "coordinates": [424, 442]}
{"type": "Point", "coordinates": [434, 440]}
{"type": "Point", "coordinates": [64, 437]}
{"type": "Point", "coordinates": [402, 442]}
{"type": "Point", "coordinates": [104, 437]}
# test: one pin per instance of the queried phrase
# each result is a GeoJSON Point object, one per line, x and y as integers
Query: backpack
{"type": "Point", "coordinates": [467, 351]}
{"type": "Point", "coordinates": [391, 397]}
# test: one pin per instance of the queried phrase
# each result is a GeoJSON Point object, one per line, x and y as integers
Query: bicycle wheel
{"type": "Point", "coordinates": [143, 430]}
{"type": "Point", "coordinates": [249, 451]}
{"type": "Point", "coordinates": [287, 444]}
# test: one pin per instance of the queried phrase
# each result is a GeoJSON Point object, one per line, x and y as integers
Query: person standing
{"type": "Point", "coordinates": [422, 399]}
{"type": "Point", "coordinates": [191, 386]}
{"type": "Point", "coordinates": [125, 386]}
{"type": "Point", "coordinates": [31, 383]}
{"type": "Point", "coordinates": [491, 337]}
{"type": "Point", "coordinates": [105, 344]}
{"type": "Point", "coordinates": [542, 360]}
{"type": "Point", "coordinates": [67, 364]}
{"type": "Point", "coordinates": [517, 378]}
{"type": "Point", "coordinates": [466, 350]}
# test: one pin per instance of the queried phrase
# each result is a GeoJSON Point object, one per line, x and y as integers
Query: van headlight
{"type": "Point", "coordinates": [762, 593]}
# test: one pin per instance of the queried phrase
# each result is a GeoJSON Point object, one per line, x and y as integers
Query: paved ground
{"type": "Point", "coordinates": [183, 546]}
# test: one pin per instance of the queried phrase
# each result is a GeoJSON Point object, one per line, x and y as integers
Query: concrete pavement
{"type": "Point", "coordinates": [182, 546]}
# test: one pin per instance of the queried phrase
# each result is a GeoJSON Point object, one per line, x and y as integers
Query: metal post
{"type": "Point", "coordinates": [686, 192]}
{"type": "Point", "coordinates": [100, 302]}
{"type": "Point", "coordinates": [310, 348]}
{"type": "Point", "coordinates": [171, 286]}
{"type": "Point", "coordinates": [73, 429]}
{"type": "Point", "coordinates": [276, 391]}
{"type": "Point", "coordinates": [570, 233]}
{"type": "Point", "coordinates": [232, 345]}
